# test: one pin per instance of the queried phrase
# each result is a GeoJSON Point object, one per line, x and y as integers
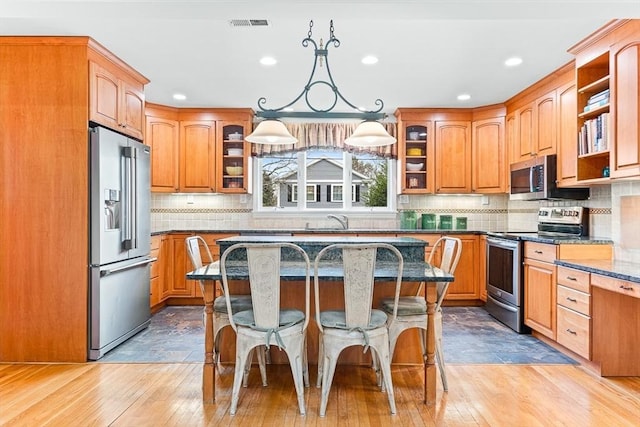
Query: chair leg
{"type": "Point", "coordinates": [295, 348]}
{"type": "Point", "coordinates": [385, 366]}
{"type": "Point", "coordinates": [441, 365]}
{"type": "Point", "coordinates": [243, 353]}
{"type": "Point", "coordinates": [305, 363]}
{"type": "Point", "coordinates": [329, 367]}
{"type": "Point", "coordinates": [262, 353]}
{"type": "Point", "coordinates": [320, 361]}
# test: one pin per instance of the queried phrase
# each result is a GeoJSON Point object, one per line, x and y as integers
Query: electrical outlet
{"type": "Point", "coordinates": [243, 199]}
{"type": "Point", "coordinates": [485, 200]}
{"type": "Point", "coordinates": [403, 199]}
{"type": "Point", "coordinates": [190, 200]}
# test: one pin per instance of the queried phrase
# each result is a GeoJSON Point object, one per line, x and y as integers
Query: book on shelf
{"type": "Point", "coordinates": [595, 105]}
{"type": "Point", "coordinates": [593, 136]}
{"type": "Point", "coordinates": [598, 96]}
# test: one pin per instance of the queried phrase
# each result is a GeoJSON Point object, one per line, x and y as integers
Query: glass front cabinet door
{"type": "Point", "coordinates": [414, 157]}
{"type": "Point", "coordinates": [232, 155]}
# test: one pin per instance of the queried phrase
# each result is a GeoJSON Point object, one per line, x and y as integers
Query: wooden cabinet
{"type": "Point", "coordinates": [540, 288]}
{"type": "Point", "coordinates": [453, 157]}
{"type": "Point", "coordinates": [46, 93]}
{"type": "Point", "coordinates": [574, 311]}
{"type": "Point", "coordinates": [232, 154]}
{"type": "Point", "coordinates": [567, 129]}
{"type": "Point", "coordinates": [489, 157]}
{"type": "Point", "coordinates": [181, 265]}
{"type": "Point", "coordinates": [197, 156]}
{"type": "Point", "coordinates": [593, 145]}
{"type": "Point", "coordinates": [116, 100]}
{"type": "Point", "coordinates": [162, 133]}
{"type": "Point", "coordinates": [482, 267]}
{"type": "Point", "coordinates": [466, 285]}
{"type": "Point", "coordinates": [194, 149]}
{"type": "Point", "coordinates": [417, 162]}
{"type": "Point", "coordinates": [156, 277]}
{"type": "Point", "coordinates": [536, 128]}
{"type": "Point", "coordinates": [625, 91]}
{"type": "Point", "coordinates": [615, 335]}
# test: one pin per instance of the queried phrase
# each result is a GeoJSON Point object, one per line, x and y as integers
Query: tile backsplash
{"type": "Point", "coordinates": [613, 214]}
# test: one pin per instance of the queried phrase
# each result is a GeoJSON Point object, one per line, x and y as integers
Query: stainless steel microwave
{"type": "Point", "coordinates": [535, 179]}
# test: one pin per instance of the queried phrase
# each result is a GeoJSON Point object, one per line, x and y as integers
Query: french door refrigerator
{"type": "Point", "coordinates": [120, 241]}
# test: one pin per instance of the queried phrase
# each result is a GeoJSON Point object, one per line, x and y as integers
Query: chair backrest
{"type": "Point", "coordinates": [451, 249]}
{"type": "Point", "coordinates": [262, 265]}
{"type": "Point", "coordinates": [358, 263]}
{"type": "Point", "coordinates": [193, 250]}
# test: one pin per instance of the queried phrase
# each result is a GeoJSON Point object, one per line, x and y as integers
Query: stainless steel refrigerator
{"type": "Point", "coordinates": [120, 241]}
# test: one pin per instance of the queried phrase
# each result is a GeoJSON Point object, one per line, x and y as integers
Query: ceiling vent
{"type": "Point", "coordinates": [249, 23]}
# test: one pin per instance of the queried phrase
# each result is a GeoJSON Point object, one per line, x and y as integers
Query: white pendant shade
{"type": "Point", "coordinates": [370, 134]}
{"type": "Point", "coordinates": [271, 132]}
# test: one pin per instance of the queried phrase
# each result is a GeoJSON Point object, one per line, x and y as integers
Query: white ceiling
{"type": "Point", "coordinates": [430, 51]}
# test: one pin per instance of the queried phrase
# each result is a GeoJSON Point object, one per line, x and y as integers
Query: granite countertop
{"type": "Point", "coordinates": [554, 240]}
{"type": "Point", "coordinates": [288, 232]}
{"type": "Point", "coordinates": [623, 270]}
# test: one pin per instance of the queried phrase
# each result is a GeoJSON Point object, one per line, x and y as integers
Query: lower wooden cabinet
{"type": "Point", "coordinates": [540, 288]}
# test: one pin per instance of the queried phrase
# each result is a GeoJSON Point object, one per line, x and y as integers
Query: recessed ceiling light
{"type": "Point", "coordinates": [288, 109]}
{"type": "Point", "coordinates": [179, 96]}
{"type": "Point", "coordinates": [464, 97]}
{"type": "Point", "coordinates": [268, 60]}
{"type": "Point", "coordinates": [369, 60]}
{"type": "Point", "coordinates": [512, 62]}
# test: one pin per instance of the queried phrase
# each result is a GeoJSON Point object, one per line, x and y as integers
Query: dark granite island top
{"type": "Point", "coordinates": [412, 249]}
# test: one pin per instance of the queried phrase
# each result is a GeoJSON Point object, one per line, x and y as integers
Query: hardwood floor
{"type": "Point", "coordinates": [106, 394]}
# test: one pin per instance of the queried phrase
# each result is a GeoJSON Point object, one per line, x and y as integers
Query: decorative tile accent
{"type": "Point", "coordinates": [200, 210]}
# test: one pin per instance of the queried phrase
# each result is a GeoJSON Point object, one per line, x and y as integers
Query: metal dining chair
{"type": "Point", "coordinates": [269, 322]}
{"type": "Point", "coordinates": [409, 312]}
{"type": "Point", "coordinates": [220, 310]}
{"type": "Point", "coordinates": [358, 323]}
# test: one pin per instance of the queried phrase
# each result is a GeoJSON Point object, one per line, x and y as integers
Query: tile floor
{"type": "Point", "coordinates": [471, 336]}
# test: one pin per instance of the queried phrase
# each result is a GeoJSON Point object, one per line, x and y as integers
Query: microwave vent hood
{"type": "Point", "coordinates": [535, 179]}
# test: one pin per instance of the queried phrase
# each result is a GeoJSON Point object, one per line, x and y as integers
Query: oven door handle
{"type": "Point", "coordinates": [502, 305]}
{"type": "Point", "coordinates": [503, 243]}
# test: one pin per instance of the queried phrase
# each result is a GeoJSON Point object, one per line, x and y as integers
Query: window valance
{"type": "Point", "coordinates": [328, 135]}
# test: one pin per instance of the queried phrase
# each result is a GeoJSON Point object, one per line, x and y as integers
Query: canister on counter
{"type": "Point", "coordinates": [428, 221]}
{"type": "Point", "coordinates": [461, 223]}
{"type": "Point", "coordinates": [408, 220]}
{"type": "Point", "coordinates": [446, 222]}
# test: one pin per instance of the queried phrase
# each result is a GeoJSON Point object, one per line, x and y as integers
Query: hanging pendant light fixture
{"type": "Point", "coordinates": [370, 133]}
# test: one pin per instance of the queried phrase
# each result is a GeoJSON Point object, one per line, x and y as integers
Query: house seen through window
{"type": "Point", "coordinates": [332, 179]}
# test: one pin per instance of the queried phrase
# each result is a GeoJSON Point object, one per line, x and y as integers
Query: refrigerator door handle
{"type": "Point", "coordinates": [127, 267]}
{"type": "Point", "coordinates": [128, 153]}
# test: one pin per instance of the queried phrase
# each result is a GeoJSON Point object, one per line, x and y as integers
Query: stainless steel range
{"type": "Point", "coordinates": [505, 285]}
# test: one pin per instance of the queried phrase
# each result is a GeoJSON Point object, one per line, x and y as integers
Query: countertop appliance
{"type": "Point", "coordinates": [505, 284]}
{"type": "Point", "coordinates": [535, 179]}
{"type": "Point", "coordinates": [120, 239]}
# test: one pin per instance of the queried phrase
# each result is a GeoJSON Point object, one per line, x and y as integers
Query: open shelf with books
{"type": "Point", "coordinates": [593, 119]}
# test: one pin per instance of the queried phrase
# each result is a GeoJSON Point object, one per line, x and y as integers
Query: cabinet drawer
{"type": "Point", "coordinates": [155, 269]}
{"type": "Point", "coordinates": [574, 300]}
{"type": "Point", "coordinates": [155, 241]}
{"type": "Point", "coordinates": [573, 331]}
{"type": "Point", "coordinates": [574, 279]}
{"type": "Point", "coordinates": [540, 251]}
{"type": "Point", "coordinates": [616, 285]}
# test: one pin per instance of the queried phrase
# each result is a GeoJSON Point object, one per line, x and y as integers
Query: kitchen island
{"type": "Point", "coordinates": [416, 271]}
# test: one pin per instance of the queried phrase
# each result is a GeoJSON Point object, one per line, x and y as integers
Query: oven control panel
{"type": "Point", "coordinates": [561, 215]}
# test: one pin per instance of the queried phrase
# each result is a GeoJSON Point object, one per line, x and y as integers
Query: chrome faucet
{"type": "Point", "coordinates": [342, 219]}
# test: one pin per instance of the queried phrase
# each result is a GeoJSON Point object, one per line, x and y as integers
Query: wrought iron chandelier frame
{"type": "Point", "coordinates": [321, 55]}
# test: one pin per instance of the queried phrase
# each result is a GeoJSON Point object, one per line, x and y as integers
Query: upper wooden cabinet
{"type": "Point", "coordinates": [232, 156]}
{"type": "Point", "coordinates": [197, 156]}
{"type": "Point", "coordinates": [162, 136]}
{"type": "Point", "coordinates": [116, 100]}
{"type": "Point", "coordinates": [193, 150]}
{"type": "Point", "coordinates": [536, 128]}
{"type": "Point", "coordinates": [609, 122]}
{"type": "Point", "coordinates": [452, 150]}
{"type": "Point", "coordinates": [625, 149]}
{"type": "Point", "coordinates": [453, 156]}
{"type": "Point", "coordinates": [567, 147]}
{"type": "Point", "coordinates": [489, 157]}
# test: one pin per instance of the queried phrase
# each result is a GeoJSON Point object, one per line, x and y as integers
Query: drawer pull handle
{"type": "Point", "coordinates": [572, 299]}
{"type": "Point", "coordinates": [626, 288]}
{"type": "Point", "coordinates": [572, 278]}
{"type": "Point", "coordinates": [572, 332]}
{"type": "Point", "coordinates": [538, 252]}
